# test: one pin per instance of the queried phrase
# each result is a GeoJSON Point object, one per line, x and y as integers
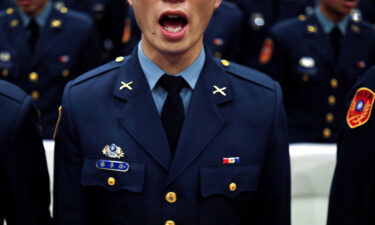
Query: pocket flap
{"type": "Point", "coordinates": [113, 180]}
{"type": "Point", "coordinates": [228, 180]}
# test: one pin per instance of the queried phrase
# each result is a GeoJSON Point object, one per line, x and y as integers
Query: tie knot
{"type": "Point", "coordinates": [172, 84]}
{"type": "Point", "coordinates": [335, 32]}
{"type": "Point", "coordinates": [33, 25]}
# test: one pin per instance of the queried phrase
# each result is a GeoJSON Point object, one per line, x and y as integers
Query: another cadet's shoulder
{"type": "Point", "coordinates": [368, 79]}
{"type": "Point", "coordinates": [75, 16]}
{"type": "Point", "coordinates": [99, 71]}
{"type": "Point", "coordinates": [248, 74]}
{"type": "Point", "coordinates": [12, 92]}
{"type": "Point", "coordinates": [289, 25]}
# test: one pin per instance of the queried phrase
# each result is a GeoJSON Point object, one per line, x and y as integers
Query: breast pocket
{"type": "Point", "coordinates": [113, 180]}
{"type": "Point", "coordinates": [228, 181]}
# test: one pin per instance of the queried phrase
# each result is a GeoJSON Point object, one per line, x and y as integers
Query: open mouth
{"type": "Point", "coordinates": [173, 24]}
{"type": "Point", "coordinates": [350, 3]}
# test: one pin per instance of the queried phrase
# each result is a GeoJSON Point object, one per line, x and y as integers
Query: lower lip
{"type": "Point", "coordinates": [24, 3]}
{"type": "Point", "coordinates": [173, 36]}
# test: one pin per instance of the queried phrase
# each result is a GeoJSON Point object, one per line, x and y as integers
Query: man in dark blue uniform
{"type": "Point", "coordinates": [222, 37]}
{"type": "Point", "coordinates": [42, 48]}
{"type": "Point", "coordinates": [24, 181]}
{"type": "Point", "coordinates": [170, 135]}
{"type": "Point", "coordinates": [317, 60]}
{"type": "Point", "coordinates": [352, 192]}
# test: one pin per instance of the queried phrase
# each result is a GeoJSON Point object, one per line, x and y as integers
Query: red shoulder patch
{"type": "Point", "coordinates": [266, 52]}
{"type": "Point", "coordinates": [360, 109]}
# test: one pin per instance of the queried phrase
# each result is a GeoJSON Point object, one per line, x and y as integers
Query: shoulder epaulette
{"type": "Point", "coordinates": [99, 70]}
{"type": "Point", "coordinates": [248, 74]}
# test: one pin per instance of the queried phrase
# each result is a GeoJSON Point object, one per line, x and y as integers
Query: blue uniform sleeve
{"type": "Point", "coordinates": [26, 192]}
{"type": "Point", "coordinates": [272, 202]}
{"type": "Point", "coordinates": [68, 203]}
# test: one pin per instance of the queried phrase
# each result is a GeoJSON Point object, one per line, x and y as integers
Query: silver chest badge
{"type": "Point", "coordinates": [113, 151]}
{"type": "Point", "coordinates": [307, 62]}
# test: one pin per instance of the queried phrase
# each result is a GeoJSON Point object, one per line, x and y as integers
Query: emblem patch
{"type": "Point", "coordinates": [360, 108]}
{"type": "Point", "coordinates": [266, 52]}
{"type": "Point", "coordinates": [113, 151]}
{"type": "Point", "coordinates": [231, 160]}
{"type": "Point", "coordinates": [112, 165]}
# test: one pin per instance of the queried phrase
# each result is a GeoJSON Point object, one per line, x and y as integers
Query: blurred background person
{"type": "Point", "coordinates": [24, 181]}
{"type": "Point", "coordinates": [317, 59]}
{"type": "Point", "coordinates": [42, 48]}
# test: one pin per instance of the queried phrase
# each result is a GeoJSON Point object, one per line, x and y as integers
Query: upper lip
{"type": "Point", "coordinates": [178, 13]}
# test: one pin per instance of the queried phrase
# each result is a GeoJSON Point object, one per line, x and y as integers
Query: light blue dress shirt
{"type": "Point", "coordinates": [153, 73]}
{"type": "Point", "coordinates": [328, 24]}
{"type": "Point", "coordinates": [40, 19]}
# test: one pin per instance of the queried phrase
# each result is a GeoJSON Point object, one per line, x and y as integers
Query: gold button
{"type": "Point", "coordinates": [334, 83]}
{"type": "Point", "coordinates": [232, 186]}
{"type": "Point", "coordinates": [111, 181]}
{"type": "Point", "coordinates": [171, 197]}
{"type": "Point", "coordinates": [35, 95]}
{"type": "Point", "coordinates": [327, 133]}
{"type": "Point", "coordinates": [301, 17]}
{"type": "Point", "coordinates": [64, 10]}
{"type": "Point", "coordinates": [9, 11]}
{"type": "Point", "coordinates": [33, 77]}
{"type": "Point", "coordinates": [5, 72]}
{"type": "Point", "coordinates": [330, 117]}
{"type": "Point", "coordinates": [65, 73]}
{"type": "Point", "coordinates": [305, 78]}
{"type": "Point", "coordinates": [331, 100]}
{"type": "Point", "coordinates": [312, 29]}
{"type": "Point", "coordinates": [218, 54]}
{"type": "Point", "coordinates": [13, 23]}
{"type": "Point", "coordinates": [120, 59]}
{"type": "Point", "coordinates": [225, 63]}
{"type": "Point", "coordinates": [169, 222]}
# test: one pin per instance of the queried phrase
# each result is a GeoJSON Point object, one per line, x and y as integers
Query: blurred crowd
{"type": "Point", "coordinates": [316, 60]}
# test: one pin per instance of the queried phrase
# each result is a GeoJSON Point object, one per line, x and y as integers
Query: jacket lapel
{"type": "Point", "coordinates": [203, 119]}
{"type": "Point", "coordinates": [318, 40]}
{"type": "Point", "coordinates": [137, 111]}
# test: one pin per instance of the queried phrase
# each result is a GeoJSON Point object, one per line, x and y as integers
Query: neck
{"type": "Point", "coordinates": [173, 63]}
{"type": "Point", "coordinates": [38, 11]}
{"type": "Point", "coordinates": [331, 14]}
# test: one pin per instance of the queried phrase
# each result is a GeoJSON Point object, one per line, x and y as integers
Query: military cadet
{"type": "Point", "coordinates": [223, 34]}
{"type": "Point", "coordinates": [41, 49]}
{"type": "Point", "coordinates": [317, 60]}
{"type": "Point", "coordinates": [24, 181]}
{"type": "Point", "coordinates": [352, 192]}
{"type": "Point", "coordinates": [205, 144]}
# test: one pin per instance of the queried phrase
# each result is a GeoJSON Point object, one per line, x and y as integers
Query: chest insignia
{"type": "Point", "coordinates": [113, 151]}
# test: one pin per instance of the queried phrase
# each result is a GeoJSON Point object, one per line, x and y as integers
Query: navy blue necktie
{"type": "Point", "coordinates": [335, 36]}
{"type": "Point", "coordinates": [33, 28]}
{"type": "Point", "coordinates": [172, 115]}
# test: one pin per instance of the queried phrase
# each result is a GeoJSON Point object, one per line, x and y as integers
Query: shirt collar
{"type": "Point", "coordinates": [154, 72]}
{"type": "Point", "coordinates": [41, 19]}
{"type": "Point", "coordinates": [328, 25]}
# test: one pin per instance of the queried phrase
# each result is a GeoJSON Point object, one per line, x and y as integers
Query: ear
{"type": "Point", "coordinates": [217, 3]}
{"type": "Point", "coordinates": [130, 2]}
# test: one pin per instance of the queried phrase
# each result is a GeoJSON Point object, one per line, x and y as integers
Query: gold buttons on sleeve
{"type": "Point", "coordinates": [111, 181]}
{"type": "Point", "coordinates": [334, 83]}
{"type": "Point", "coordinates": [171, 197]}
{"type": "Point", "coordinates": [327, 133]}
{"type": "Point", "coordinates": [35, 95]}
{"type": "Point", "coordinates": [331, 100]}
{"type": "Point", "coordinates": [232, 186]}
{"type": "Point", "coordinates": [33, 77]}
{"type": "Point", "coordinates": [170, 222]}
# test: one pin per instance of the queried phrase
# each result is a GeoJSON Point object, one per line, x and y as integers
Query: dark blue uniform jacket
{"type": "Point", "coordinates": [24, 182]}
{"type": "Point", "coordinates": [247, 121]}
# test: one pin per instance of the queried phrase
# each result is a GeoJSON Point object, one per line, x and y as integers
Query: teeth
{"type": "Point", "coordinates": [173, 29]}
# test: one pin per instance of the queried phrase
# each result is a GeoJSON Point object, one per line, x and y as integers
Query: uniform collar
{"type": "Point", "coordinates": [328, 25]}
{"type": "Point", "coordinates": [41, 19]}
{"type": "Point", "coordinates": [153, 72]}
